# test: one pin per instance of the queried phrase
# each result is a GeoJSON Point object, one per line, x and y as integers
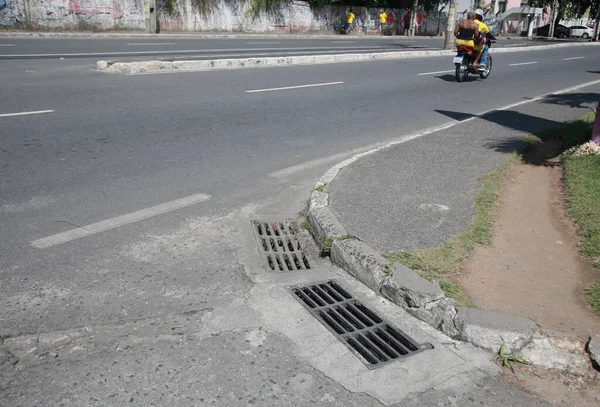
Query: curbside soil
{"type": "Point", "coordinates": [153, 66]}
{"type": "Point", "coordinates": [426, 300]}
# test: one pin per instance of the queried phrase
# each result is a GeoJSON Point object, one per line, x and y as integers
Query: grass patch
{"type": "Point", "coordinates": [449, 257]}
{"type": "Point", "coordinates": [450, 288]}
{"type": "Point", "coordinates": [582, 178]}
{"type": "Point", "coordinates": [592, 294]}
{"type": "Point", "coordinates": [437, 262]}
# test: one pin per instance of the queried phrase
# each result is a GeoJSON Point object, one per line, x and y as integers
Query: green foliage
{"type": "Point", "coordinates": [170, 6]}
{"type": "Point", "coordinates": [592, 294]}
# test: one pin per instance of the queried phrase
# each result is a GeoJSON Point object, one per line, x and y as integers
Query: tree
{"type": "Point", "coordinates": [568, 8]}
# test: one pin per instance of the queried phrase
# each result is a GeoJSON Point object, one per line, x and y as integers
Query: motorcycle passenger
{"type": "Point", "coordinates": [481, 47]}
{"type": "Point", "coordinates": [466, 31]}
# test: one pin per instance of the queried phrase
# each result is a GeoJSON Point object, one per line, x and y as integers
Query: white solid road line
{"type": "Point", "coordinates": [151, 43]}
{"type": "Point", "coordinates": [263, 42]}
{"type": "Point", "coordinates": [523, 63]}
{"type": "Point", "coordinates": [313, 85]}
{"type": "Point", "coordinates": [433, 73]}
{"type": "Point", "coordinates": [7, 45]}
{"type": "Point", "coordinates": [330, 174]}
{"type": "Point", "coordinates": [180, 51]}
{"type": "Point", "coordinates": [570, 59]}
{"type": "Point", "coordinates": [25, 113]}
{"type": "Point", "coordinates": [122, 220]}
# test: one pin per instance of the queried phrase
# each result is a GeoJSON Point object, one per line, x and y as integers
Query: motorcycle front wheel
{"type": "Point", "coordinates": [462, 70]}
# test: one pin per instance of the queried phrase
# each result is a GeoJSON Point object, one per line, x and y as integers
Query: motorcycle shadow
{"type": "Point", "coordinates": [452, 78]}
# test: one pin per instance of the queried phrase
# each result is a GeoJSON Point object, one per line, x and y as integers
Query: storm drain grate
{"type": "Point", "coordinates": [280, 247]}
{"type": "Point", "coordinates": [372, 338]}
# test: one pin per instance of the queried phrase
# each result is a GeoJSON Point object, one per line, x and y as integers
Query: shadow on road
{"type": "Point", "coordinates": [452, 78]}
{"type": "Point", "coordinates": [553, 144]}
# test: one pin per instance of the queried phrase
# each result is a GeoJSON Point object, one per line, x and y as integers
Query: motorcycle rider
{"type": "Point", "coordinates": [466, 31]}
{"type": "Point", "coordinates": [481, 47]}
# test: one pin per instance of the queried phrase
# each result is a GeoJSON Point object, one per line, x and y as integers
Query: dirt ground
{"type": "Point", "coordinates": [533, 269]}
{"type": "Point", "coordinates": [555, 388]}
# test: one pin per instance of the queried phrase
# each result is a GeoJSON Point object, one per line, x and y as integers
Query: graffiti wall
{"type": "Point", "coordinates": [221, 15]}
{"type": "Point", "coordinates": [12, 13]}
{"type": "Point", "coordinates": [73, 14]}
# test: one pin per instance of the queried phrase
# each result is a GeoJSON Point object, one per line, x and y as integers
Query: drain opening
{"type": "Point", "coordinates": [280, 247]}
{"type": "Point", "coordinates": [374, 340]}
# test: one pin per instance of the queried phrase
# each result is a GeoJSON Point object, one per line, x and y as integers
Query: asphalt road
{"type": "Point", "coordinates": [125, 208]}
{"type": "Point", "coordinates": [201, 48]}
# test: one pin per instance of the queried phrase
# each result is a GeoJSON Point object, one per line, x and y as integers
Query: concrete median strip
{"type": "Point", "coordinates": [157, 66]}
{"type": "Point", "coordinates": [426, 301]}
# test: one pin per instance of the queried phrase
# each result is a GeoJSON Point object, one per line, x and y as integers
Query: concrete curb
{"type": "Point", "coordinates": [426, 300]}
{"type": "Point", "coordinates": [141, 67]}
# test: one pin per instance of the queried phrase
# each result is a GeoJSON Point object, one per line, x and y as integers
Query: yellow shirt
{"type": "Point", "coordinates": [483, 28]}
{"type": "Point", "coordinates": [350, 18]}
{"type": "Point", "coordinates": [382, 18]}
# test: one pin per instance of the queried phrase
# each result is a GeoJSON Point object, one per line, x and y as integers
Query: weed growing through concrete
{"type": "Point", "coordinates": [304, 224]}
{"type": "Point", "coordinates": [506, 359]}
{"type": "Point", "coordinates": [326, 249]}
{"type": "Point", "coordinates": [321, 187]}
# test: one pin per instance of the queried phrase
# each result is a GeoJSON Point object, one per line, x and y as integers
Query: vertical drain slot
{"type": "Point", "coordinates": [374, 340]}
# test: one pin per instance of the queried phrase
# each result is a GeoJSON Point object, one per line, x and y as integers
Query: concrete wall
{"type": "Point", "coordinates": [223, 16]}
{"type": "Point", "coordinates": [73, 14]}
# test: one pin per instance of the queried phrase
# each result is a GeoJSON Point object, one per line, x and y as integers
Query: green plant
{"type": "Point", "coordinates": [256, 6]}
{"type": "Point", "coordinates": [170, 6]}
{"type": "Point", "coordinates": [506, 359]}
{"type": "Point", "coordinates": [592, 293]}
{"type": "Point", "coordinates": [304, 224]}
{"type": "Point", "coordinates": [326, 249]}
{"type": "Point", "coordinates": [321, 187]}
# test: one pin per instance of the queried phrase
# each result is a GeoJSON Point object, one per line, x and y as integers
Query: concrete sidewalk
{"type": "Point", "coordinates": [419, 193]}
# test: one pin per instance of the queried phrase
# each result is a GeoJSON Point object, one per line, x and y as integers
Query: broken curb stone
{"type": "Point", "coordinates": [360, 261]}
{"type": "Point", "coordinates": [487, 329]}
{"type": "Point", "coordinates": [324, 225]}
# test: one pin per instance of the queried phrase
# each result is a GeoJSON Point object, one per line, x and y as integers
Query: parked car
{"type": "Point", "coordinates": [581, 31]}
{"type": "Point", "coordinates": [560, 31]}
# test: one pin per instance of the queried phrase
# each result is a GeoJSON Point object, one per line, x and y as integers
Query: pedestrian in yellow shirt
{"type": "Point", "coordinates": [382, 21]}
{"type": "Point", "coordinates": [350, 19]}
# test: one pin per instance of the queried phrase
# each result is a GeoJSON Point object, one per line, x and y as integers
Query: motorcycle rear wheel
{"type": "Point", "coordinates": [462, 70]}
{"type": "Point", "coordinates": [488, 68]}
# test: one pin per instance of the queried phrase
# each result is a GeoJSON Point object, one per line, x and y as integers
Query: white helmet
{"type": "Point", "coordinates": [479, 12]}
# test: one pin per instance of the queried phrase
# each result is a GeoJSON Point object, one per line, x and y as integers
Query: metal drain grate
{"type": "Point", "coordinates": [368, 335]}
{"type": "Point", "coordinates": [280, 247]}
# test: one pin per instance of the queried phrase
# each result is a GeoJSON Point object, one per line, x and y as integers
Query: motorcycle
{"type": "Point", "coordinates": [464, 59]}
